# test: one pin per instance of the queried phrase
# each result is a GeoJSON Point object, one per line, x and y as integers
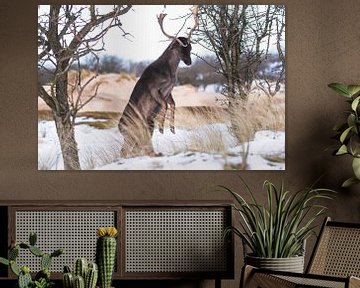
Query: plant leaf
{"type": "Point", "coordinates": [4, 261]}
{"type": "Point", "coordinates": [345, 134]}
{"type": "Point", "coordinates": [349, 182]}
{"type": "Point", "coordinates": [340, 88]}
{"type": "Point", "coordinates": [354, 145]}
{"type": "Point", "coordinates": [342, 150]}
{"type": "Point", "coordinates": [355, 103]}
{"type": "Point", "coordinates": [351, 120]}
{"type": "Point", "coordinates": [353, 89]}
{"type": "Point", "coordinates": [356, 167]}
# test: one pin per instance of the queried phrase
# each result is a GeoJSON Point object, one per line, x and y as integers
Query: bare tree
{"type": "Point", "coordinates": [65, 34]}
{"type": "Point", "coordinates": [240, 36]}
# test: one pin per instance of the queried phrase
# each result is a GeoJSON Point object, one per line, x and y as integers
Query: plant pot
{"type": "Point", "coordinates": [291, 264]}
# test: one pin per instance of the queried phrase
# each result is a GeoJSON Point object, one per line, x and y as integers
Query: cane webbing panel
{"type": "Point", "coordinates": [268, 280]}
{"type": "Point", "coordinates": [175, 241]}
{"type": "Point", "coordinates": [313, 282]}
{"type": "Point", "coordinates": [338, 252]}
{"type": "Point", "coordinates": [74, 231]}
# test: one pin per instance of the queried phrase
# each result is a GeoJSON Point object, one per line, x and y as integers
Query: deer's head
{"type": "Point", "coordinates": [182, 48]}
{"type": "Point", "coordinates": [181, 44]}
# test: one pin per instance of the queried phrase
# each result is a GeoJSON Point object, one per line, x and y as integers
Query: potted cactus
{"type": "Point", "coordinates": [84, 275]}
{"type": "Point", "coordinates": [42, 278]}
{"type": "Point", "coordinates": [348, 132]}
{"type": "Point", "coordinates": [106, 254]}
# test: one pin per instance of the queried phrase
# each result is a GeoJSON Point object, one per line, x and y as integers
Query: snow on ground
{"type": "Point", "coordinates": [99, 149]}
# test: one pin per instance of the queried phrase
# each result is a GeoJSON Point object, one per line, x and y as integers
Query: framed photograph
{"type": "Point", "coordinates": [161, 87]}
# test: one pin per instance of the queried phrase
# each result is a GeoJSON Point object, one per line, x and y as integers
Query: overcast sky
{"type": "Point", "coordinates": [147, 41]}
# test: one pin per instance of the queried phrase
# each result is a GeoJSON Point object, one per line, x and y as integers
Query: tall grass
{"type": "Point", "coordinates": [92, 158]}
{"type": "Point", "coordinates": [259, 113]}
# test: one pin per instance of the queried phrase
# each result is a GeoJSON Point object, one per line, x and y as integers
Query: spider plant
{"type": "Point", "coordinates": [279, 229]}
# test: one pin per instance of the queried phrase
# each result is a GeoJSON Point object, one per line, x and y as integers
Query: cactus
{"type": "Point", "coordinates": [88, 273]}
{"type": "Point", "coordinates": [13, 253]}
{"type": "Point", "coordinates": [24, 278]}
{"type": "Point", "coordinates": [44, 273]}
{"type": "Point", "coordinates": [105, 255]}
{"type": "Point", "coordinates": [4, 261]}
{"type": "Point", "coordinates": [67, 269]}
{"type": "Point", "coordinates": [24, 246]}
{"type": "Point", "coordinates": [36, 251]}
{"type": "Point", "coordinates": [68, 280]}
{"type": "Point", "coordinates": [45, 261]}
{"type": "Point", "coordinates": [14, 268]}
{"type": "Point", "coordinates": [80, 267]}
{"type": "Point", "coordinates": [32, 239]}
{"type": "Point", "coordinates": [91, 276]}
{"type": "Point", "coordinates": [57, 253]}
{"type": "Point", "coordinates": [79, 282]}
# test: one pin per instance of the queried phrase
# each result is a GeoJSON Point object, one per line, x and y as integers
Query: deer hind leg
{"type": "Point", "coordinates": [171, 102]}
{"type": "Point", "coordinates": [162, 115]}
{"type": "Point", "coordinates": [161, 108]}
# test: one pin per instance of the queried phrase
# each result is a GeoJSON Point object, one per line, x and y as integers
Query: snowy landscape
{"type": "Point", "coordinates": [197, 145]}
{"type": "Point", "coordinates": [98, 146]}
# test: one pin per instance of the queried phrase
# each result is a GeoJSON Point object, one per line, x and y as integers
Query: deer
{"type": "Point", "coordinates": [152, 94]}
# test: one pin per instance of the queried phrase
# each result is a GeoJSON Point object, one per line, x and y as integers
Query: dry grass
{"type": "Point", "coordinates": [267, 113]}
{"type": "Point", "coordinates": [49, 162]}
{"type": "Point", "coordinates": [92, 158]}
{"type": "Point", "coordinates": [126, 77]}
{"type": "Point", "coordinates": [73, 76]}
{"type": "Point", "coordinates": [213, 142]}
{"type": "Point", "coordinates": [45, 115]}
{"type": "Point", "coordinates": [260, 113]}
{"type": "Point", "coordinates": [192, 116]}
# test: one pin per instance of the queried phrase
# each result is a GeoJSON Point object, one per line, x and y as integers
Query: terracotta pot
{"type": "Point", "coordinates": [291, 264]}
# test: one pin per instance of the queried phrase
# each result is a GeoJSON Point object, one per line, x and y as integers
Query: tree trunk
{"type": "Point", "coordinates": [66, 133]}
{"type": "Point", "coordinates": [65, 125]}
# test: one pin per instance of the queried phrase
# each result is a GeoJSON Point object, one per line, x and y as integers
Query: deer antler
{"type": "Point", "coordinates": [195, 12]}
{"type": "Point", "coordinates": [160, 18]}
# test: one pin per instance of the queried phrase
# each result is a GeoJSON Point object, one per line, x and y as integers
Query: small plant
{"type": "Point", "coordinates": [279, 229]}
{"type": "Point", "coordinates": [349, 132]}
{"type": "Point", "coordinates": [42, 278]}
{"type": "Point", "coordinates": [105, 254]}
{"type": "Point", "coordinates": [85, 275]}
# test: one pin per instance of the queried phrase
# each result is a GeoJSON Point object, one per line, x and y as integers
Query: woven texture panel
{"type": "Point", "coordinates": [309, 282]}
{"type": "Point", "coordinates": [338, 253]}
{"type": "Point", "coordinates": [175, 241]}
{"type": "Point", "coordinates": [75, 231]}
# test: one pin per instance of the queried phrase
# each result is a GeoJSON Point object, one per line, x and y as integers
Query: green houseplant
{"type": "Point", "coordinates": [278, 230]}
{"type": "Point", "coordinates": [348, 132]}
{"type": "Point", "coordinates": [42, 278]}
